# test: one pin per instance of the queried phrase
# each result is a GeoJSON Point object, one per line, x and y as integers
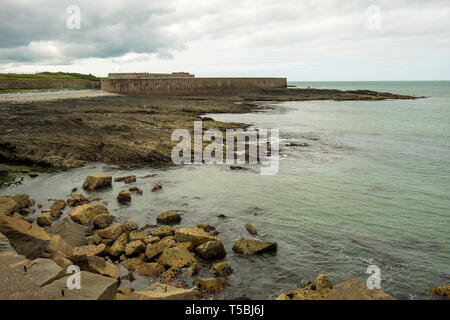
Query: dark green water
{"type": "Point", "coordinates": [371, 187]}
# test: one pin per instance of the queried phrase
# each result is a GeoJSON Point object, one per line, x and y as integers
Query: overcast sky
{"type": "Point", "coordinates": [299, 39]}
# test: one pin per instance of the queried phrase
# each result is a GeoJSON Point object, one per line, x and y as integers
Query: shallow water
{"type": "Point", "coordinates": [371, 187]}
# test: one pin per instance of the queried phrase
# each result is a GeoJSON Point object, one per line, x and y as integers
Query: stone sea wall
{"type": "Point", "coordinates": [190, 86]}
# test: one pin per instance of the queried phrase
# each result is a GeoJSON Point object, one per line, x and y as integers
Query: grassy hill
{"type": "Point", "coordinates": [48, 76]}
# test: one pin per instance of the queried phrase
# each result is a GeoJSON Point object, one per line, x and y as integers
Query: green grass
{"type": "Point", "coordinates": [48, 76]}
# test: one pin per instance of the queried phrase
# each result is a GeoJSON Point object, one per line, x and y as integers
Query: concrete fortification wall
{"type": "Point", "coordinates": [184, 86]}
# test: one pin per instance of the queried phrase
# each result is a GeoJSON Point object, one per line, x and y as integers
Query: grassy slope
{"type": "Point", "coordinates": [48, 76]}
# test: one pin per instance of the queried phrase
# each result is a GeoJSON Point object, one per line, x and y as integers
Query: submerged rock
{"type": "Point", "coordinates": [127, 179]}
{"type": "Point", "coordinates": [97, 181]}
{"type": "Point", "coordinates": [250, 246]}
{"type": "Point", "coordinates": [156, 187]}
{"type": "Point", "coordinates": [441, 290]}
{"type": "Point", "coordinates": [251, 229]}
{"type": "Point", "coordinates": [168, 217]}
{"type": "Point", "coordinates": [222, 269]}
{"type": "Point", "coordinates": [124, 196]}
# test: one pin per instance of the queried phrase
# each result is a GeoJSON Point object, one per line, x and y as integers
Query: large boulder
{"type": "Point", "coordinates": [102, 221]}
{"type": "Point", "coordinates": [85, 213]}
{"type": "Point", "coordinates": [176, 257]}
{"type": "Point", "coordinates": [22, 200]}
{"type": "Point", "coordinates": [211, 250]}
{"type": "Point", "coordinates": [28, 240]}
{"type": "Point", "coordinates": [168, 217]}
{"type": "Point", "coordinates": [196, 236]}
{"type": "Point", "coordinates": [159, 291]}
{"type": "Point", "coordinates": [69, 231]}
{"type": "Point", "coordinates": [210, 284]}
{"type": "Point", "coordinates": [250, 246]}
{"type": "Point", "coordinates": [93, 287]}
{"type": "Point", "coordinates": [112, 232]}
{"type": "Point", "coordinates": [44, 271]}
{"type": "Point", "coordinates": [441, 290]}
{"type": "Point", "coordinates": [8, 206]}
{"type": "Point", "coordinates": [97, 181]}
{"type": "Point", "coordinates": [44, 220]}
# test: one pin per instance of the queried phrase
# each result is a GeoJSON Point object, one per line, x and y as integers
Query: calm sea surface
{"type": "Point", "coordinates": [372, 186]}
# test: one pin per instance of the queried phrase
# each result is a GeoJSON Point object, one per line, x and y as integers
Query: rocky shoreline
{"type": "Point", "coordinates": [36, 253]}
{"type": "Point", "coordinates": [73, 132]}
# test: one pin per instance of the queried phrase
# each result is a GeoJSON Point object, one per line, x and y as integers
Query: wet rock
{"type": "Point", "coordinates": [188, 245]}
{"type": "Point", "coordinates": [153, 250]}
{"type": "Point", "coordinates": [118, 247]}
{"type": "Point", "coordinates": [172, 277]}
{"type": "Point", "coordinates": [134, 248]}
{"type": "Point", "coordinates": [176, 257]}
{"type": "Point", "coordinates": [85, 213]}
{"type": "Point", "coordinates": [102, 221]}
{"type": "Point", "coordinates": [22, 200]}
{"type": "Point", "coordinates": [238, 168]}
{"type": "Point", "coordinates": [93, 287]}
{"type": "Point", "coordinates": [97, 181]}
{"type": "Point", "coordinates": [196, 236]}
{"type": "Point", "coordinates": [90, 250]}
{"type": "Point", "coordinates": [441, 290]}
{"type": "Point", "coordinates": [44, 271]}
{"type": "Point", "coordinates": [163, 231]}
{"type": "Point", "coordinates": [221, 216]}
{"type": "Point", "coordinates": [3, 171]}
{"type": "Point", "coordinates": [210, 284]}
{"type": "Point", "coordinates": [128, 277]}
{"type": "Point", "coordinates": [151, 269]}
{"type": "Point", "coordinates": [249, 246]}
{"type": "Point", "coordinates": [8, 206]}
{"type": "Point", "coordinates": [77, 200]}
{"type": "Point", "coordinates": [26, 211]}
{"type": "Point", "coordinates": [322, 282]}
{"type": "Point", "coordinates": [251, 229]}
{"type": "Point", "coordinates": [207, 228]}
{"type": "Point", "coordinates": [211, 250]}
{"type": "Point", "coordinates": [112, 232]}
{"type": "Point", "coordinates": [132, 264]}
{"type": "Point", "coordinates": [222, 269]}
{"type": "Point", "coordinates": [136, 190]}
{"type": "Point", "coordinates": [356, 290]}
{"type": "Point", "coordinates": [168, 217]}
{"type": "Point", "coordinates": [127, 179]}
{"type": "Point", "coordinates": [156, 187]}
{"type": "Point", "coordinates": [124, 196]}
{"type": "Point", "coordinates": [193, 269]}
{"type": "Point", "coordinates": [44, 220]}
{"type": "Point", "coordinates": [33, 175]}
{"type": "Point", "coordinates": [159, 291]}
